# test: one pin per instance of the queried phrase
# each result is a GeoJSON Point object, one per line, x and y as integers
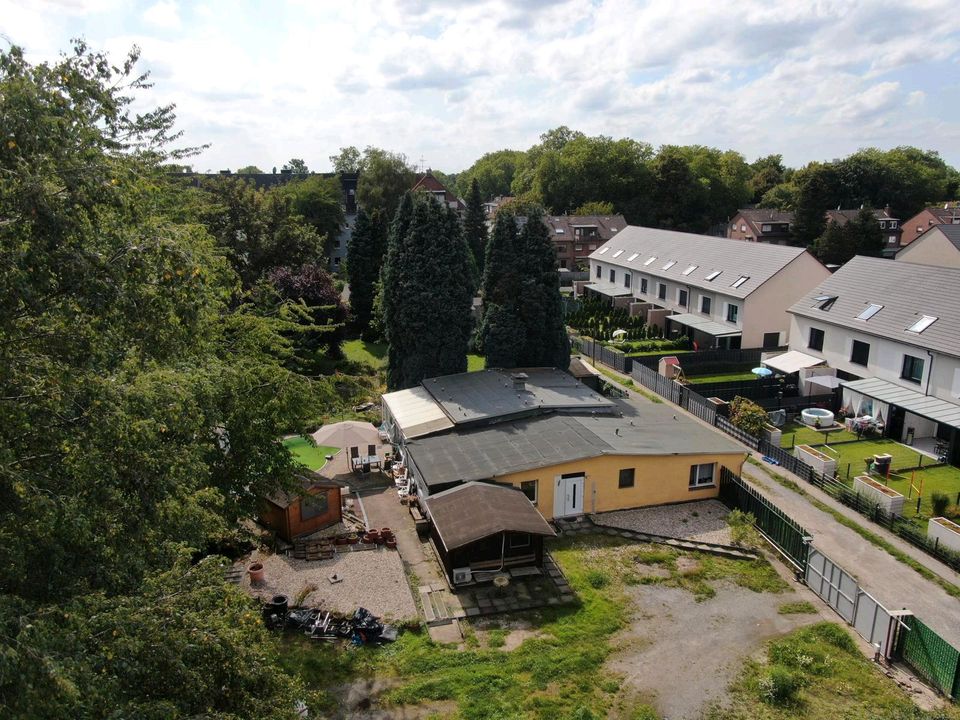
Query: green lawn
{"type": "Point", "coordinates": [797, 433]}
{"type": "Point", "coordinates": [375, 355]}
{"type": "Point", "coordinates": [854, 453]}
{"type": "Point", "coordinates": [945, 479]}
{"type": "Point", "coordinates": [305, 452]}
{"type": "Point", "coordinates": [722, 377]}
{"type": "Point", "coordinates": [367, 353]}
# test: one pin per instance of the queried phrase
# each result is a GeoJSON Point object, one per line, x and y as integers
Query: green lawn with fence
{"type": "Point", "coordinates": [374, 355]}
{"type": "Point", "coordinates": [305, 452]}
{"type": "Point", "coordinates": [798, 433]}
{"type": "Point", "coordinates": [944, 478]}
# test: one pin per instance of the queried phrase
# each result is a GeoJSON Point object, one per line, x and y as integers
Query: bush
{"type": "Point", "coordinates": [597, 579]}
{"type": "Point", "coordinates": [741, 527]}
{"type": "Point", "coordinates": [940, 502]}
{"type": "Point", "coordinates": [747, 415]}
{"type": "Point", "coordinates": [779, 686]}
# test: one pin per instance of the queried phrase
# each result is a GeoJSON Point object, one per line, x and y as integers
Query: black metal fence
{"type": "Point", "coordinates": [782, 530]}
{"type": "Point", "coordinates": [609, 356]}
{"type": "Point", "coordinates": [690, 400]}
{"type": "Point", "coordinates": [701, 358]}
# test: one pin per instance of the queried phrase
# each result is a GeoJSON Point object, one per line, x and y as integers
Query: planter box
{"type": "Point", "coordinates": [823, 464]}
{"type": "Point", "coordinates": [722, 406]}
{"type": "Point", "coordinates": [772, 434]}
{"type": "Point", "coordinates": [890, 500]}
{"type": "Point", "coordinates": [944, 532]}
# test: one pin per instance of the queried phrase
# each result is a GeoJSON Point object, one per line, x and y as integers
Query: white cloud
{"type": "Point", "coordinates": [164, 14]}
{"type": "Point", "coordinates": [451, 80]}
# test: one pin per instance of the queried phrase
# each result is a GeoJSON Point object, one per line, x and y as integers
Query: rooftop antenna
{"type": "Point", "coordinates": [422, 166]}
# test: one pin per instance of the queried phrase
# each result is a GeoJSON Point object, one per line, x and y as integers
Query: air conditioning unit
{"type": "Point", "coordinates": [462, 575]}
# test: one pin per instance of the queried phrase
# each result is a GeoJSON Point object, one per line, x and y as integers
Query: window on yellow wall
{"type": "Point", "coordinates": [529, 488]}
{"type": "Point", "coordinates": [626, 478]}
{"type": "Point", "coordinates": [701, 475]}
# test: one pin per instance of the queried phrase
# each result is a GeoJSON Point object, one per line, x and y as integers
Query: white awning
{"type": "Point", "coordinates": [792, 361]}
{"type": "Point", "coordinates": [704, 325]}
{"type": "Point", "coordinates": [931, 408]}
{"type": "Point", "coordinates": [415, 412]}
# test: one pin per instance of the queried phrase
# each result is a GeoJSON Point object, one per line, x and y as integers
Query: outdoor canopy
{"type": "Point", "coordinates": [792, 361]}
{"type": "Point", "coordinates": [827, 381]}
{"type": "Point", "coordinates": [704, 325]}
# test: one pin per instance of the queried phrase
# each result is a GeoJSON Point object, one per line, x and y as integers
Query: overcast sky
{"type": "Point", "coordinates": [448, 80]}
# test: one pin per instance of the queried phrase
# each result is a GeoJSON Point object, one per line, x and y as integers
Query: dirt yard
{"type": "Point", "coordinates": [373, 579]}
{"type": "Point", "coordinates": [680, 654]}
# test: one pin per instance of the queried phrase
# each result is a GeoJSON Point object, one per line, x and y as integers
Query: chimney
{"type": "Point", "coordinates": [519, 381]}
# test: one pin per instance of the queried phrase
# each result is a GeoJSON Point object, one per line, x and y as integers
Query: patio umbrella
{"type": "Point", "coordinates": [762, 372]}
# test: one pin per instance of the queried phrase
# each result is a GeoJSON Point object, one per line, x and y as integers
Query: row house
{"type": "Point", "coordinates": [576, 236]}
{"type": "Point", "coordinates": [887, 333]}
{"type": "Point", "coordinates": [773, 226]}
{"type": "Point", "coordinates": [948, 214]}
{"type": "Point", "coordinates": [719, 292]}
{"type": "Point", "coordinates": [939, 245]}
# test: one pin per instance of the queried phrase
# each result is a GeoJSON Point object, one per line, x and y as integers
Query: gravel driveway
{"type": "Point", "coordinates": [373, 579]}
{"type": "Point", "coordinates": [704, 520]}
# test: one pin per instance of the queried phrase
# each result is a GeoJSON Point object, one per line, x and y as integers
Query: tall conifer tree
{"type": "Point", "coordinates": [365, 255]}
{"type": "Point", "coordinates": [475, 226]}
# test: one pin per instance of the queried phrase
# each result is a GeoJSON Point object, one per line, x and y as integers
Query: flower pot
{"type": "Point", "coordinates": [371, 538]}
{"type": "Point", "coordinates": [390, 543]}
{"type": "Point", "coordinates": [353, 540]}
{"type": "Point", "coordinates": [256, 572]}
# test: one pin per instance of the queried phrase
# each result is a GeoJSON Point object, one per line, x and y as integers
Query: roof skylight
{"type": "Point", "coordinates": [868, 312]}
{"type": "Point", "coordinates": [669, 264]}
{"type": "Point", "coordinates": [824, 302]}
{"type": "Point", "coordinates": [633, 257]}
{"type": "Point", "coordinates": [922, 324]}
{"type": "Point", "coordinates": [740, 281]}
{"type": "Point", "coordinates": [689, 270]}
{"type": "Point", "coordinates": [618, 253]}
{"type": "Point", "coordinates": [713, 276]}
{"type": "Point", "coordinates": [604, 250]}
{"type": "Point", "coordinates": [560, 231]}
{"type": "Point", "coordinates": [650, 260]}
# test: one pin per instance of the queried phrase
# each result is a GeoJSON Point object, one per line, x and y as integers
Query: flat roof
{"type": "Point", "coordinates": [710, 327]}
{"type": "Point", "coordinates": [474, 511]}
{"type": "Point", "coordinates": [610, 290]}
{"type": "Point", "coordinates": [792, 361]}
{"type": "Point", "coordinates": [931, 408]}
{"type": "Point", "coordinates": [416, 412]}
{"type": "Point", "coordinates": [502, 449]}
{"type": "Point", "coordinates": [490, 394]}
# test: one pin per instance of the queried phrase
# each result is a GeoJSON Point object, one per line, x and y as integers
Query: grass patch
{"type": "Point", "coordinates": [797, 433]}
{"type": "Point", "coordinates": [853, 454]}
{"type": "Point", "coordinates": [627, 383]}
{"type": "Point", "coordinates": [556, 674]}
{"type": "Point", "coordinates": [721, 377]}
{"type": "Point", "coordinates": [372, 354]}
{"type": "Point", "coordinates": [817, 673]}
{"type": "Point", "coordinates": [306, 453]}
{"type": "Point", "coordinates": [944, 479]}
{"type": "Point", "coordinates": [797, 608]}
{"type": "Point", "coordinates": [869, 536]}
{"type": "Point", "coordinates": [476, 362]}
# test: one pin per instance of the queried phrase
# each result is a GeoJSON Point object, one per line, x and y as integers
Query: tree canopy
{"type": "Point", "coordinates": [384, 178]}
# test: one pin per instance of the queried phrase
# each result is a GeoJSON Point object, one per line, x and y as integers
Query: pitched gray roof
{"type": "Point", "coordinates": [474, 511]}
{"type": "Point", "coordinates": [951, 232]}
{"type": "Point", "coordinates": [607, 226]}
{"type": "Point", "coordinates": [490, 395]}
{"type": "Point", "coordinates": [733, 258]}
{"type": "Point", "coordinates": [498, 450]}
{"type": "Point", "coordinates": [907, 291]}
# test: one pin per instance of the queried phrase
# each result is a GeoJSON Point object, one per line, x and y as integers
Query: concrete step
{"type": "Point", "coordinates": [435, 608]}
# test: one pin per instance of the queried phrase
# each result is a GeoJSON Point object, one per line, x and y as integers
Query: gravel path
{"type": "Point", "coordinates": [373, 579]}
{"type": "Point", "coordinates": [704, 520]}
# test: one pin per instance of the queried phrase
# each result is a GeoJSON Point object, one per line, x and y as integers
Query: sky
{"type": "Point", "coordinates": [444, 81]}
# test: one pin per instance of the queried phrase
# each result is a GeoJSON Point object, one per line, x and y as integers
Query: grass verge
{"type": "Point", "coordinates": [818, 673]}
{"type": "Point", "coordinates": [863, 532]}
{"type": "Point", "coordinates": [627, 383]}
{"type": "Point", "coordinates": [797, 608]}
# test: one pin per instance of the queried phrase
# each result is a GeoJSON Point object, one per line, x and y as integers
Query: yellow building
{"type": "Point", "coordinates": [571, 465]}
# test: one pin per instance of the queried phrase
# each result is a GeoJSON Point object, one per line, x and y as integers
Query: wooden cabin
{"type": "Point", "coordinates": [293, 515]}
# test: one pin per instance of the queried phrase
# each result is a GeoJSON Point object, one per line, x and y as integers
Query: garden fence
{"type": "Point", "coordinates": [932, 657]}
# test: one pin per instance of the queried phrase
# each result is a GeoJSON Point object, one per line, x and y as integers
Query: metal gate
{"type": "Point", "coordinates": [872, 621]}
{"type": "Point", "coordinates": [831, 582]}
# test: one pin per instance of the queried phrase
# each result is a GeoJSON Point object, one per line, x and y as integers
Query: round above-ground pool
{"type": "Point", "coordinates": [811, 416]}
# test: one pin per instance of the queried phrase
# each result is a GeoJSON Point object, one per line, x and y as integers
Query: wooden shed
{"type": "Point", "coordinates": [292, 515]}
{"type": "Point", "coordinates": [486, 529]}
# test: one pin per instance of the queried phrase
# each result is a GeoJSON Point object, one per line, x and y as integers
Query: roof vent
{"type": "Point", "coordinates": [519, 381]}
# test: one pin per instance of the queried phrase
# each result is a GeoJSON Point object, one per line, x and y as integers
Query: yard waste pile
{"type": "Point", "coordinates": [361, 628]}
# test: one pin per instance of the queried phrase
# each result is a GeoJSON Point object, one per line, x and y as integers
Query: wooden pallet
{"type": "Point", "coordinates": [313, 551]}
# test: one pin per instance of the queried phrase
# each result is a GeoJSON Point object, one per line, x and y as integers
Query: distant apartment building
{"type": "Point", "coordinates": [721, 293]}
{"type": "Point", "coordinates": [946, 214]}
{"type": "Point", "coordinates": [889, 226]}
{"type": "Point", "coordinates": [576, 236]}
{"type": "Point", "coordinates": [491, 206]}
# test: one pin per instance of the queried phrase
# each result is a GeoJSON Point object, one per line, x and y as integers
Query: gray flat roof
{"type": "Point", "coordinates": [490, 394]}
{"type": "Point", "coordinates": [916, 402]}
{"type": "Point", "coordinates": [704, 324]}
{"type": "Point", "coordinates": [905, 291]}
{"type": "Point", "coordinates": [497, 450]}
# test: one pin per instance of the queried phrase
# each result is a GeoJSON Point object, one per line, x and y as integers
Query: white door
{"type": "Point", "coordinates": [568, 496]}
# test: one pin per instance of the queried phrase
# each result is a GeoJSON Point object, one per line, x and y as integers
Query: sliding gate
{"type": "Point", "coordinates": [843, 593]}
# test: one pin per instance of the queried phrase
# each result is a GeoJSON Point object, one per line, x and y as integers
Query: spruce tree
{"type": "Point", "coordinates": [546, 343]}
{"type": "Point", "coordinates": [426, 294]}
{"type": "Point", "coordinates": [365, 254]}
{"type": "Point", "coordinates": [475, 226]}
